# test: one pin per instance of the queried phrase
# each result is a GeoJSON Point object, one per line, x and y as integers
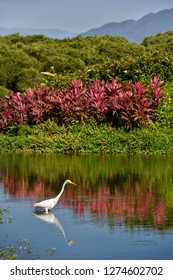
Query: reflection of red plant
{"type": "Point", "coordinates": [160, 213]}
{"type": "Point", "coordinates": [137, 203]}
{"type": "Point", "coordinates": [133, 204]}
{"type": "Point", "coordinates": [20, 187]}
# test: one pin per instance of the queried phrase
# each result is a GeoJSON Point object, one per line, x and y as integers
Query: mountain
{"type": "Point", "coordinates": [136, 31]}
{"type": "Point", "coordinates": [51, 32]}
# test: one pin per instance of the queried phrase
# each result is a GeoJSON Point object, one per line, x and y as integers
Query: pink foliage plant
{"type": "Point", "coordinates": [114, 102]}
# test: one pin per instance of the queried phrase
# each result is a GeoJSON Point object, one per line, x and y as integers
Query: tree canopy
{"type": "Point", "coordinates": [24, 58]}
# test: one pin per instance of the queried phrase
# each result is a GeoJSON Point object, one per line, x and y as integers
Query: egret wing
{"type": "Point", "coordinates": [48, 203]}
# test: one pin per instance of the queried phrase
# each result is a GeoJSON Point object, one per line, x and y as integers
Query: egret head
{"type": "Point", "coordinates": [70, 182]}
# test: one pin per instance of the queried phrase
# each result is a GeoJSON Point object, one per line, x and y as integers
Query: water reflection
{"type": "Point", "coordinates": [129, 190]}
{"type": "Point", "coordinates": [50, 218]}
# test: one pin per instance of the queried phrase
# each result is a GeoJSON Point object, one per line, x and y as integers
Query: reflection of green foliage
{"type": "Point", "coordinates": [155, 171]}
{"type": "Point", "coordinates": [130, 180]}
{"type": "Point", "coordinates": [140, 183]}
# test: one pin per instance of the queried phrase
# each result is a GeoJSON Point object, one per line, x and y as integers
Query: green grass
{"type": "Point", "coordinates": [87, 138]}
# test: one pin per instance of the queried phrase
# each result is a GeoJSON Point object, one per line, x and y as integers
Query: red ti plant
{"type": "Point", "coordinates": [118, 103]}
{"type": "Point", "coordinates": [133, 104]}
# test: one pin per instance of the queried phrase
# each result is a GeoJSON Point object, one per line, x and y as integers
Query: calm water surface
{"type": "Point", "coordinates": [122, 207]}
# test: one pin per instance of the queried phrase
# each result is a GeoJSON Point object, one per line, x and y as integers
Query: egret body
{"type": "Point", "coordinates": [48, 204]}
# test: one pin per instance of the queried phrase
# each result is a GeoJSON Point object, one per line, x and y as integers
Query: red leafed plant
{"type": "Point", "coordinates": [118, 103]}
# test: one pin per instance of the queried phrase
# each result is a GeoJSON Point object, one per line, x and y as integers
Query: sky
{"type": "Point", "coordinates": [75, 15]}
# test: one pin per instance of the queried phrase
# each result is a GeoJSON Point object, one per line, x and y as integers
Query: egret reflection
{"type": "Point", "coordinates": [50, 218]}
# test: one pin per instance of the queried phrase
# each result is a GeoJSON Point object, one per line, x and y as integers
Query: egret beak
{"type": "Point", "coordinates": [71, 183]}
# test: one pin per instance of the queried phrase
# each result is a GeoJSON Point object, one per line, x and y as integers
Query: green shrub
{"type": "Point", "coordinates": [164, 114]}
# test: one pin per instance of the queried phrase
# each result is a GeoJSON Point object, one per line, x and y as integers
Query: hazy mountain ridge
{"type": "Point", "coordinates": [49, 32]}
{"type": "Point", "coordinates": [136, 31]}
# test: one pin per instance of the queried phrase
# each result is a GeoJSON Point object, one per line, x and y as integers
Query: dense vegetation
{"type": "Point", "coordinates": [23, 59]}
{"type": "Point", "coordinates": [118, 84]}
{"type": "Point", "coordinates": [95, 94]}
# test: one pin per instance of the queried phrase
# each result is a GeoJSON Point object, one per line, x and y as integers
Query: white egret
{"type": "Point", "coordinates": [48, 204]}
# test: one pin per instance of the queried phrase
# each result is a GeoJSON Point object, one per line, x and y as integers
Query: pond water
{"type": "Point", "coordinates": [122, 207]}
